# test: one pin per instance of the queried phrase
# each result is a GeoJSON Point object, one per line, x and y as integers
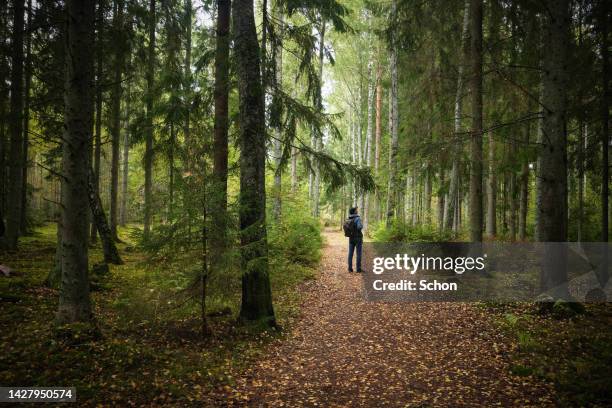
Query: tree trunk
{"type": "Point", "coordinates": [3, 146]}
{"type": "Point", "coordinates": [123, 217]}
{"type": "Point", "coordinates": [316, 190]}
{"type": "Point", "coordinates": [277, 143]}
{"type": "Point", "coordinates": [74, 301]}
{"type": "Point", "coordinates": [427, 199]}
{"type": "Point", "coordinates": [294, 179]}
{"type": "Point", "coordinates": [440, 194]}
{"type": "Point", "coordinates": [368, 144]}
{"type": "Point", "coordinates": [256, 292]}
{"type": "Point", "coordinates": [452, 203]}
{"type": "Point", "coordinates": [4, 77]}
{"type": "Point", "coordinates": [23, 227]}
{"type": "Point", "coordinates": [189, 79]}
{"type": "Point", "coordinates": [476, 130]}
{"type": "Point", "coordinates": [171, 171]}
{"type": "Point", "coordinates": [491, 222]}
{"type": "Point", "coordinates": [495, 22]}
{"type": "Point", "coordinates": [394, 131]}
{"type": "Point", "coordinates": [524, 192]}
{"type": "Point", "coordinates": [15, 174]}
{"type": "Point", "coordinates": [512, 199]}
{"type": "Point", "coordinates": [117, 94]}
{"type": "Point", "coordinates": [148, 159]}
{"type": "Point", "coordinates": [218, 199]}
{"type": "Point", "coordinates": [378, 133]}
{"type": "Point", "coordinates": [551, 222]}
{"type": "Point", "coordinates": [605, 119]}
{"type": "Point", "coordinates": [353, 141]}
{"type": "Point", "coordinates": [98, 129]}
{"type": "Point", "coordinates": [605, 138]}
{"type": "Point", "coordinates": [111, 254]}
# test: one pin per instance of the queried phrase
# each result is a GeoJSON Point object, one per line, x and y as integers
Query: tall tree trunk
{"type": "Point", "coordinates": [476, 130]}
{"type": "Point", "coordinates": [204, 272]}
{"type": "Point", "coordinates": [319, 137]}
{"type": "Point", "coordinates": [148, 159]}
{"type": "Point", "coordinates": [524, 191]}
{"type": "Point", "coordinates": [189, 79]}
{"type": "Point", "coordinates": [491, 222]}
{"type": "Point", "coordinates": [394, 131]}
{"type": "Point", "coordinates": [15, 157]}
{"type": "Point", "coordinates": [126, 170]}
{"type": "Point", "coordinates": [512, 194]}
{"type": "Point", "coordinates": [4, 76]}
{"type": "Point", "coordinates": [218, 200]}
{"type": "Point", "coordinates": [353, 139]}
{"type": "Point", "coordinates": [368, 144]}
{"type": "Point", "coordinates": [491, 183]}
{"type": "Point", "coordinates": [605, 137]}
{"type": "Point", "coordinates": [23, 227]}
{"type": "Point", "coordinates": [98, 128]}
{"type": "Point", "coordinates": [3, 148]}
{"type": "Point", "coordinates": [277, 143]}
{"type": "Point", "coordinates": [605, 118]}
{"type": "Point", "coordinates": [378, 133]}
{"type": "Point", "coordinates": [452, 203]}
{"type": "Point", "coordinates": [256, 291]}
{"type": "Point", "coordinates": [117, 94]}
{"type": "Point", "coordinates": [551, 222]}
{"type": "Point", "coordinates": [74, 301]}
{"type": "Point", "coordinates": [171, 171]}
{"type": "Point", "coordinates": [427, 198]}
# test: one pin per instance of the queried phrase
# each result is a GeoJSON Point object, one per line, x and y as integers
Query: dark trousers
{"type": "Point", "coordinates": [352, 246]}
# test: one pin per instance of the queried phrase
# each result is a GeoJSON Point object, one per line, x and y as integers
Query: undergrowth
{"type": "Point", "coordinates": [151, 349]}
{"type": "Point", "coordinates": [574, 353]}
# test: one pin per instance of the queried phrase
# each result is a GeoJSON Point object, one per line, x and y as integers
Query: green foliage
{"type": "Point", "coordinates": [399, 231]}
{"type": "Point", "coordinates": [296, 239]}
{"type": "Point", "coordinates": [591, 218]}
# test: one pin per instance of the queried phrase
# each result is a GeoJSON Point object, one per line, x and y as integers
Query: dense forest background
{"type": "Point", "coordinates": [204, 144]}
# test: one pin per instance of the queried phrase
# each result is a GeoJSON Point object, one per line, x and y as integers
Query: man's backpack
{"type": "Point", "coordinates": [349, 228]}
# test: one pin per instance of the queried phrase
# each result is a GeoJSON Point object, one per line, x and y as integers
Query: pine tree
{"type": "Point", "coordinates": [74, 301]}
{"type": "Point", "coordinates": [256, 292]}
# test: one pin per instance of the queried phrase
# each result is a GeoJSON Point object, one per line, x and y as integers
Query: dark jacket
{"type": "Point", "coordinates": [359, 225]}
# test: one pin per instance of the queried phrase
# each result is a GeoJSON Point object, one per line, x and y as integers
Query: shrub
{"type": "Point", "coordinates": [296, 239]}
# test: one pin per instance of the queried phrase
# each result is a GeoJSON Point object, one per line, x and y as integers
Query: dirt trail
{"type": "Point", "coordinates": [346, 352]}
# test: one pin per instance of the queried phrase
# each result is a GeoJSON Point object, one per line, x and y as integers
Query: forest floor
{"type": "Point", "coordinates": [345, 351]}
{"type": "Point", "coordinates": [334, 349]}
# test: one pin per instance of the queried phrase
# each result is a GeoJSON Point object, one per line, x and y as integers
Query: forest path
{"type": "Point", "coordinates": [346, 352]}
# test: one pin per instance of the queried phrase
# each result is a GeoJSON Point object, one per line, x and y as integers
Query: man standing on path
{"type": "Point", "coordinates": [352, 229]}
